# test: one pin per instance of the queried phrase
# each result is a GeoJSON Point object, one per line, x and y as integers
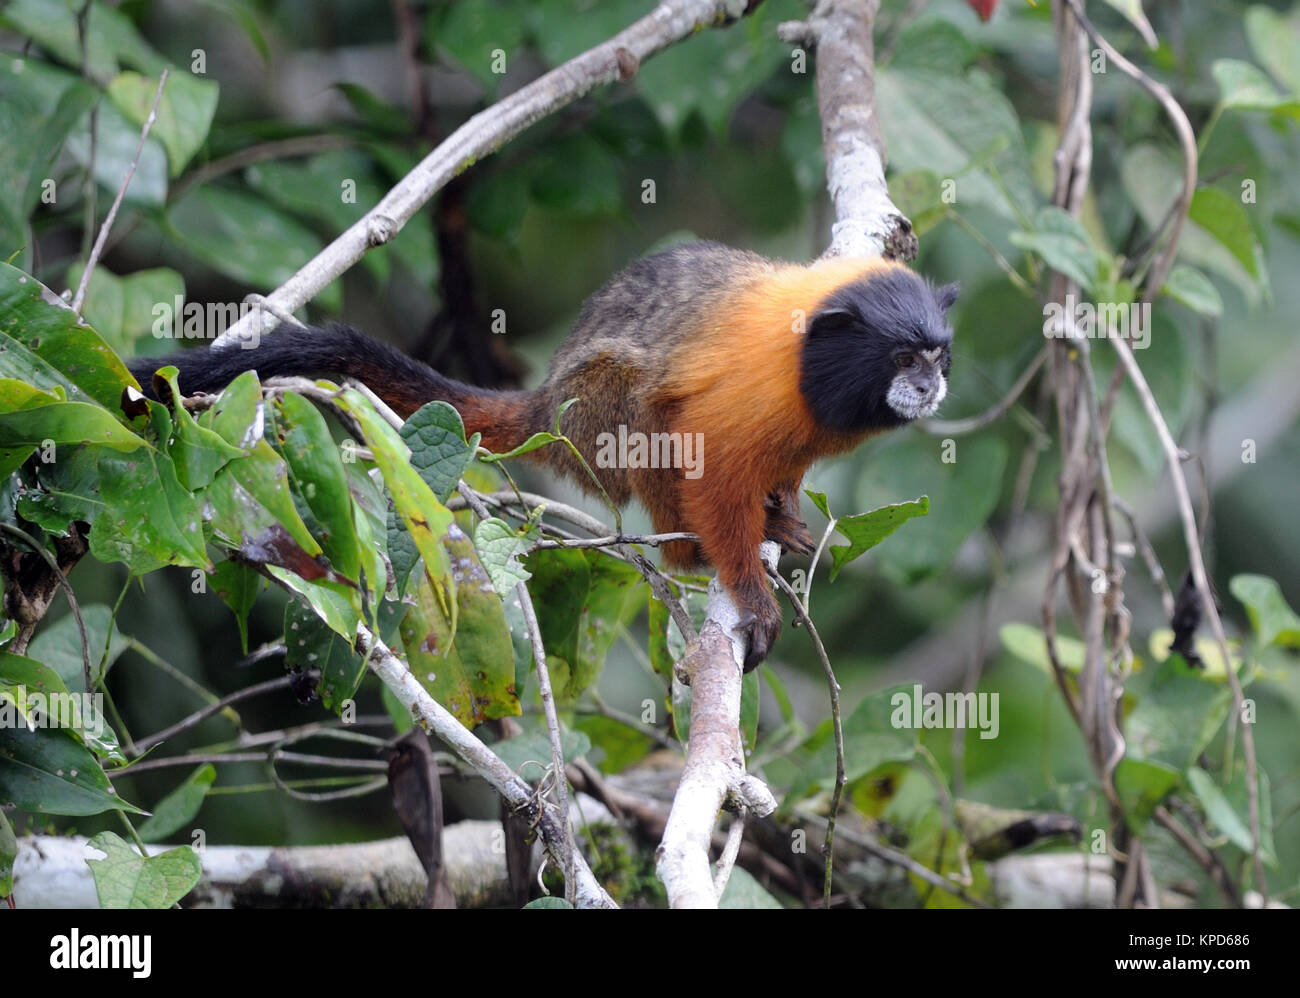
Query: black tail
{"type": "Point", "coordinates": [505, 418]}
{"type": "Point", "coordinates": [334, 350]}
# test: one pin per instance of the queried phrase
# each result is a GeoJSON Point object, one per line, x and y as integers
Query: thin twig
{"type": "Point", "coordinates": [488, 131]}
{"type": "Point", "coordinates": [548, 701]}
{"type": "Point", "coordinates": [98, 248]}
{"type": "Point", "coordinates": [1208, 860]}
{"type": "Point", "coordinates": [958, 427]}
{"type": "Point", "coordinates": [727, 861]}
{"type": "Point", "coordinates": [1186, 140]}
{"type": "Point", "coordinates": [816, 559]}
{"type": "Point", "coordinates": [841, 775]}
{"type": "Point", "coordinates": [1143, 545]}
{"type": "Point", "coordinates": [143, 745]}
{"type": "Point", "coordinates": [612, 540]}
{"type": "Point", "coordinates": [1208, 606]}
{"type": "Point", "coordinates": [900, 859]}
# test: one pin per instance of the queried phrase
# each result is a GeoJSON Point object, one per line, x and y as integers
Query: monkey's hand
{"type": "Point", "coordinates": [784, 525]}
{"type": "Point", "coordinates": [760, 622]}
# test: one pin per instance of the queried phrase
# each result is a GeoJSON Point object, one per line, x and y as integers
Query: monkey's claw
{"type": "Point", "coordinates": [792, 535]}
{"type": "Point", "coordinates": [760, 625]}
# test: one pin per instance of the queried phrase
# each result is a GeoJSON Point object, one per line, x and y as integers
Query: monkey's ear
{"type": "Point", "coordinates": [946, 295]}
{"type": "Point", "coordinates": [829, 319]}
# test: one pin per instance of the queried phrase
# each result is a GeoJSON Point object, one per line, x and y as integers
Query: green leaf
{"type": "Point", "coordinates": [1177, 714]}
{"type": "Point", "coordinates": [1132, 10]}
{"type": "Point", "coordinates": [1271, 617]}
{"type": "Point", "coordinates": [1218, 810]}
{"type": "Point", "coordinates": [962, 494]}
{"type": "Point", "coordinates": [1141, 785]}
{"type": "Point", "coordinates": [561, 35]}
{"type": "Point", "coordinates": [26, 165]}
{"type": "Point", "coordinates": [425, 518]}
{"type": "Point", "coordinates": [1152, 178]}
{"type": "Point", "coordinates": [381, 116]}
{"type": "Point", "coordinates": [43, 343]}
{"type": "Point", "coordinates": [402, 552]}
{"type": "Point", "coordinates": [209, 220]}
{"type": "Point", "coordinates": [110, 36]}
{"type": "Point", "coordinates": [125, 879]}
{"type": "Point", "coordinates": [311, 644]}
{"type": "Point", "coordinates": [1064, 245]}
{"type": "Point", "coordinates": [58, 645]}
{"type": "Point", "coordinates": [661, 659]}
{"type": "Point", "coordinates": [50, 773]}
{"type": "Point", "coordinates": [30, 417]}
{"type": "Point", "coordinates": [471, 672]}
{"type": "Point", "coordinates": [540, 439]}
{"type": "Point", "coordinates": [68, 489]}
{"type": "Point", "coordinates": [958, 127]}
{"type": "Point", "coordinates": [125, 309]}
{"type": "Point", "coordinates": [500, 549]}
{"type": "Point", "coordinates": [582, 599]}
{"type": "Point", "coordinates": [28, 687]}
{"type": "Point", "coordinates": [578, 176]}
{"type": "Point", "coordinates": [497, 203]}
{"type": "Point", "coordinates": [744, 892]}
{"type": "Point", "coordinates": [1029, 644]}
{"type": "Point", "coordinates": [710, 73]}
{"type": "Point", "coordinates": [197, 451]}
{"type": "Point", "coordinates": [1275, 39]}
{"type": "Point", "coordinates": [148, 519]}
{"type": "Point", "coordinates": [252, 510]}
{"type": "Point", "coordinates": [877, 732]}
{"type": "Point", "coordinates": [549, 902]}
{"type": "Point", "coordinates": [933, 46]}
{"type": "Point", "coordinates": [316, 471]}
{"type": "Point", "coordinates": [865, 530]}
{"type": "Point", "coordinates": [471, 32]}
{"type": "Point", "coordinates": [1242, 85]}
{"type": "Point", "coordinates": [179, 807]}
{"type": "Point", "coordinates": [40, 698]}
{"type": "Point", "coordinates": [184, 115]}
{"type": "Point", "coordinates": [439, 450]}
{"type": "Point", "coordinates": [338, 606]}
{"type": "Point", "coordinates": [1224, 218]}
{"type": "Point", "coordinates": [525, 751]}
{"type": "Point", "coordinates": [1191, 287]}
{"type": "Point", "coordinates": [334, 189]}
{"type": "Point", "coordinates": [8, 853]}
{"type": "Point", "coordinates": [237, 585]}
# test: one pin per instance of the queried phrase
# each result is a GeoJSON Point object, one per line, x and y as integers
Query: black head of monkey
{"type": "Point", "coordinates": [878, 352]}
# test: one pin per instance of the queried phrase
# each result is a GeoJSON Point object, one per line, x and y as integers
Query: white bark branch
{"type": "Point", "coordinates": [435, 719]}
{"type": "Point", "coordinates": [867, 223]}
{"type": "Point", "coordinates": [715, 759]}
{"type": "Point", "coordinates": [483, 135]}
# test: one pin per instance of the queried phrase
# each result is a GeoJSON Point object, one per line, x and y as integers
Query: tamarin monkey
{"type": "Point", "coordinates": [768, 365]}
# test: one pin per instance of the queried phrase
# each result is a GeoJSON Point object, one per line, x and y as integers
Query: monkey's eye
{"type": "Point", "coordinates": [905, 361]}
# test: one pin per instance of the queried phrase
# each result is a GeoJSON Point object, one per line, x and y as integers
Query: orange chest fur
{"type": "Point", "coordinates": [737, 380]}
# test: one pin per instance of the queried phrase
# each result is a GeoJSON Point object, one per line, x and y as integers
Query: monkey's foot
{"type": "Point", "coordinates": [760, 622]}
{"type": "Point", "coordinates": [790, 533]}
